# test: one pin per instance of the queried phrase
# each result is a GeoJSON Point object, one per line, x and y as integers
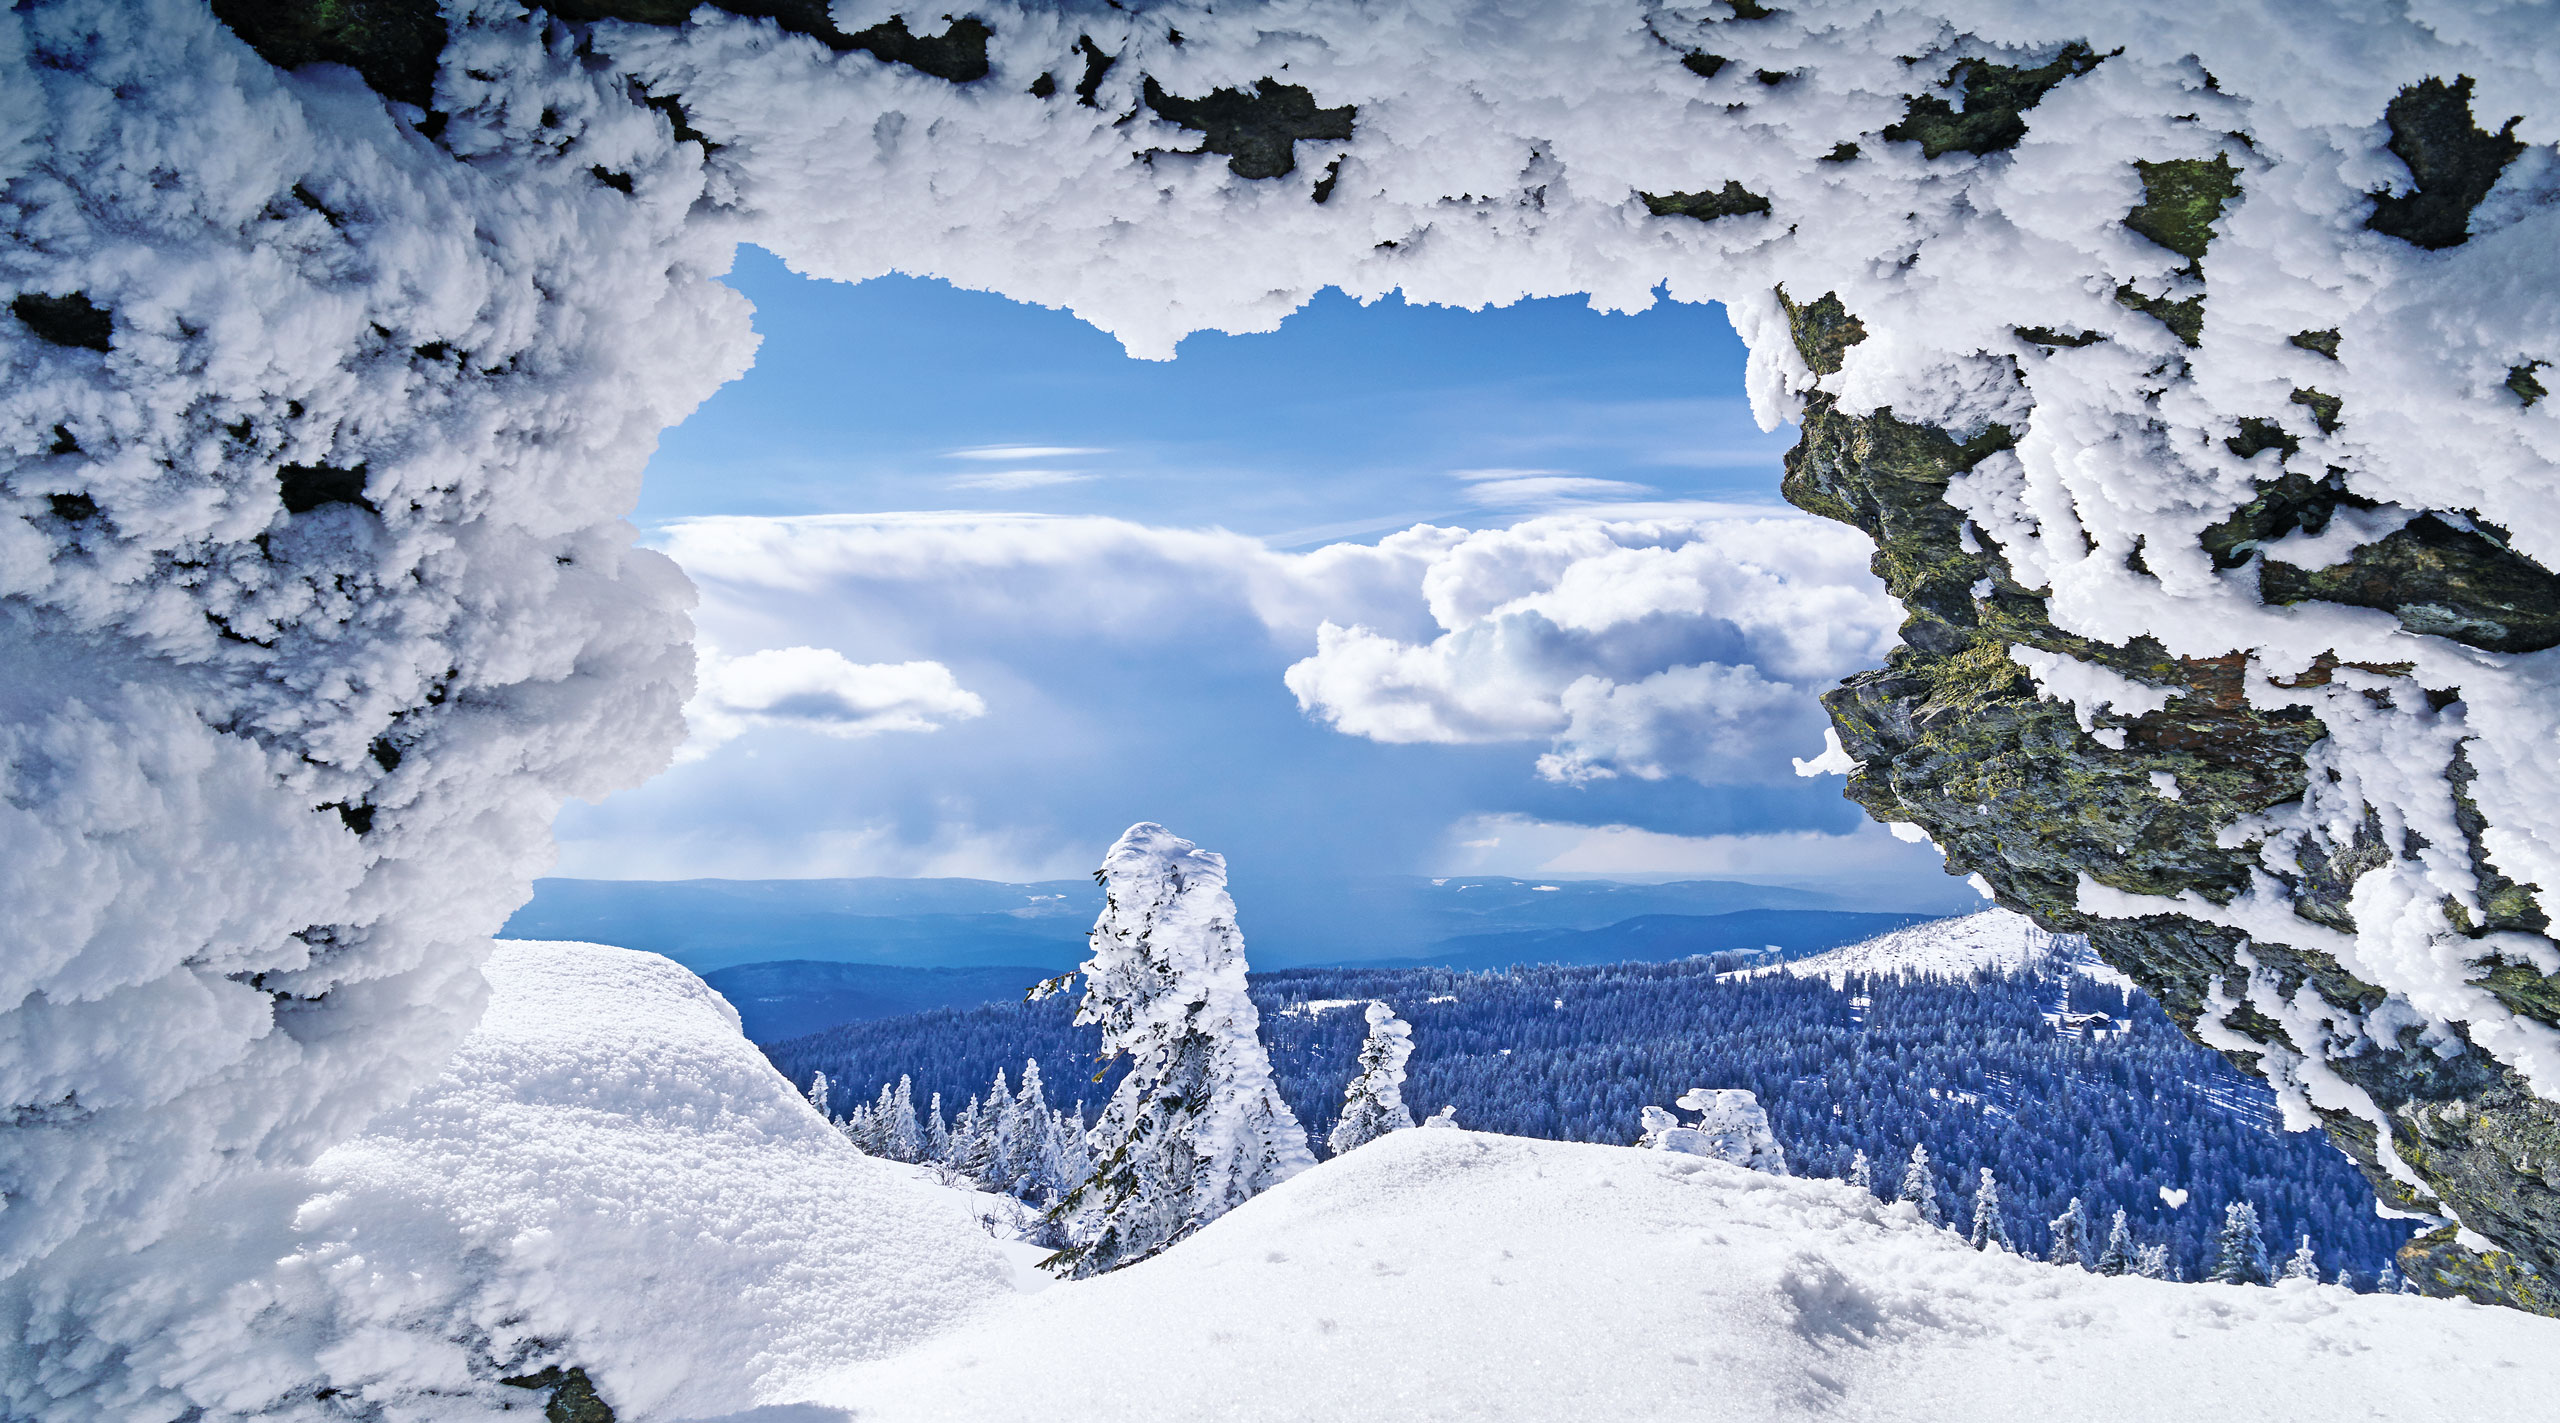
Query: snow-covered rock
{"type": "Point", "coordinates": [1456, 1275]}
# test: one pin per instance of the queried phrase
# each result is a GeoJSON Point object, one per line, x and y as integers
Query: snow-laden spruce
{"type": "Point", "coordinates": [1196, 1128]}
{"type": "Point", "coordinates": [1373, 1105]}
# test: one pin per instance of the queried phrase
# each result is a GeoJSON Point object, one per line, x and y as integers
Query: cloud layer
{"type": "Point", "coordinates": [818, 689]}
{"type": "Point", "coordinates": [1652, 647]}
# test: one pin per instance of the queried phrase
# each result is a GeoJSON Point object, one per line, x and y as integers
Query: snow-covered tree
{"type": "Point", "coordinates": [1862, 1173]}
{"type": "Point", "coordinates": [2240, 1253]}
{"type": "Point", "coordinates": [2151, 1262]}
{"type": "Point", "coordinates": [1445, 1117]}
{"type": "Point", "coordinates": [1990, 1231]}
{"type": "Point", "coordinates": [2071, 1245]}
{"type": "Point", "coordinates": [937, 1132]}
{"type": "Point", "coordinates": [1919, 1188]}
{"type": "Point", "coordinates": [972, 1148]}
{"type": "Point", "coordinates": [818, 1094]}
{"type": "Point", "coordinates": [2392, 1282]}
{"type": "Point", "coordinates": [1373, 1105]}
{"type": "Point", "coordinates": [2303, 1264]}
{"type": "Point", "coordinates": [901, 1140]}
{"type": "Point", "coordinates": [2119, 1256]}
{"type": "Point", "coordinates": [1196, 1127]}
{"type": "Point", "coordinates": [1656, 1124]}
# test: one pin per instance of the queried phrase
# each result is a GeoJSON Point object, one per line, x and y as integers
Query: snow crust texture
{"type": "Point", "coordinates": [1454, 1275]}
{"type": "Point", "coordinates": [323, 412]}
{"type": "Point", "coordinates": [604, 1176]}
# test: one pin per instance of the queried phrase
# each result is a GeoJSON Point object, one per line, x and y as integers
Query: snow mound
{"type": "Point", "coordinates": [1993, 941]}
{"type": "Point", "coordinates": [606, 1175]}
{"type": "Point", "coordinates": [1450, 1274]}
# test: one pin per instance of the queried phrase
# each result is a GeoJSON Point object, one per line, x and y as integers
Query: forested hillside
{"type": "Point", "coordinates": [2007, 1071]}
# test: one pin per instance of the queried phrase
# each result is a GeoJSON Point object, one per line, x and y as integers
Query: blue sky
{"type": "Point", "coordinates": [979, 591]}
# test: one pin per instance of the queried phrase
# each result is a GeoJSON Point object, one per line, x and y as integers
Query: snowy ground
{"type": "Point", "coordinates": [610, 1176]}
{"type": "Point", "coordinates": [1440, 1274]}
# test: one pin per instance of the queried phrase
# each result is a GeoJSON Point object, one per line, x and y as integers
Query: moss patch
{"type": "Point", "coordinates": [1732, 200]}
{"type": "Point", "coordinates": [1996, 98]}
{"type": "Point", "coordinates": [2181, 198]}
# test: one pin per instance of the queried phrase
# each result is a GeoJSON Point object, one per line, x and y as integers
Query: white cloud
{"type": "Point", "coordinates": [1547, 490]}
{"type": "Point", "coordinates": [1023, 452]}
{"type": "Point", "coordinates": [1007, 480]}
{"type": "Point", "coordinates": [1522, 846]}
{"type": "Point", "coordinates": [1647, 647]}
{"type": "Point", "coordinates": [817, 689]}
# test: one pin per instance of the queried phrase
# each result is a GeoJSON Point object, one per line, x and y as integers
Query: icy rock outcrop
{"type": "Point", "coordinates": [2131, 335]}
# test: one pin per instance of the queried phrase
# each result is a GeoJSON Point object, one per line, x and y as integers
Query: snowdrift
{"type": "Point", "coordinates": [1451, 1274]}
{"type": "Point", "coordinates": [605, 1176]}
{"type": "Point", "coordinates": [1992, 941]}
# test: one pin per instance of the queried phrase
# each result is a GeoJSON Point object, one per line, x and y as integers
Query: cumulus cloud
{"type": "Point", "coordinates": [818, 689]}
{"type": "Point", "coordinates": [1646, 647]}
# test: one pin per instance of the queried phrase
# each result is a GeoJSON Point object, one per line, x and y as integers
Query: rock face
{"type": "Point", "coordinates": [1953, 736]}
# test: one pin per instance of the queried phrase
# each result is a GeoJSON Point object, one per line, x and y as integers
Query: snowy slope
{"type": "Point", "coordinates": [1993, 941]}
{"type": "Point", "coordinates": [1455, 1275]}
{"type": "Point", "coordinates": [606, 1175]}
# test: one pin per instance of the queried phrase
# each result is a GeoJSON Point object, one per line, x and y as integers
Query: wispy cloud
{"type": "Point", "coordinates": [1023, 452]}
{"type": "Point", "coordinates": [1007, 480]}
{"type": "Point", "coordinates": [1540, 488]}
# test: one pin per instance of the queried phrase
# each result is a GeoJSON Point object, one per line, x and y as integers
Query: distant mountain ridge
{"type": "Point", "coordinates": [708, 925]}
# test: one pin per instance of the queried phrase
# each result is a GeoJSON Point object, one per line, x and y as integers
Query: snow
{"type": "Point", "coordinates": [605, 1174]}
{"type": "Point", "coordinates": [1456, 1275]}
{"type": "Point", "coordinates": [1991, 941]}
{"type": "Point", "coordinates": [269, 777]}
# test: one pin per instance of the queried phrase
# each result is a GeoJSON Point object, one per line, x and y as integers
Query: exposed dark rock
{"type": "Point", "coordinates": [306, 487]}
{"type": "Point", "coordinates": [2520, 379]}
{"type": "Point", "coordinates": [1840, 152]}
{"type": "Point", "coordinates": [2257, 436]}
{"type": "Point", "coordinates": [2451, 159]}
{"type": "Point", "coordinates": [1703, 64]}
{"type": "Point", "coordinates": [1096, 65]}
{"type": "Point", "coordinates": [1953, 737]}
{"type": "Point", "coordinates": [619, 182]}
{"type": "Point", "coordinates": [2047, 336]}
{"type": "Point", "coordinates": [1044, 87]}
{"type": "Point", "coordinates": [1324, 185]}
{"type": "Point", "coordinates": [1995, 98]}
{"type": "Point", "coordinates": [1732, 200]}
{"type": "Point", "coordinates": [573, 1397]}
{"type": "Point", "coordinates": [2444, 575]}
{"type": "Point", "coordinates": [2183, 317]}
{"type": "Point", "coordinates": [2324, 408]}
{"type": "Point", "coordinates": [958, 54]}
{"type": "Point", "coordinates": [73, 508]}
{"type": "Point", "coordinates": [1258, 132]}
{"type": "Point", "coordinates": [392, 43]}
{"type": "Point", "coordinates": [66, 320]}
{"type": "Point", "coordinates": [2320, 342]}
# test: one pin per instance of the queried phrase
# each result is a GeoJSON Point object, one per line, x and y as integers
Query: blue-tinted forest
{"type": "Point", "coordinates": [1994, 1071]}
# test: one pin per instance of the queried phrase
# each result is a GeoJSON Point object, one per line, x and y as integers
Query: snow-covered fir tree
{"type": "Point", "coordinates": [2240, 1252]}
{"type": "Point", "coordinates": [818, 1094]}
{"type": "Point", "coordinates": [2303, 1264]}
{"type": "Point", "coordinates": [2392, 1282]}
{"type": "Point", "coordinates": [2346, 1278]}
{"type": "Point", "coordinates": [1731, 1126]}
{"type": "Point", "coordinates": [1990, 1231]}
{"type": "Point", "coordinates": [1445, 1117]}
{"type": "Point", "coordinates": [1196, 1127]}
{"type": "Point", "coordinates": [2151, 1262]}
{"type": "Point", "coordinates": [1862, 1173]}
{"type": "Point", "coordinates": [937, 1132]}
{"type": "Point", "coordinates": [2118, 1258]}
{"type": "Point", "coordinates": [1373, 1103]}
{"type": "Point", "coordinates": [2071, 1245]}
{"type": "Point", "coordinates": [1920, 1188]}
